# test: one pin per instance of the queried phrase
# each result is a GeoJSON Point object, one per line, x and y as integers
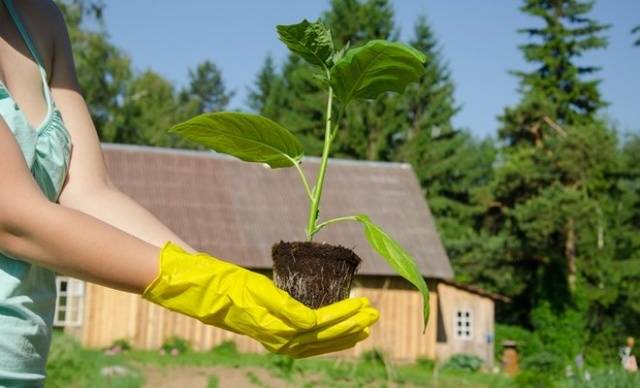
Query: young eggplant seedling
{"type": "Point", "coordinates": [319, 274]}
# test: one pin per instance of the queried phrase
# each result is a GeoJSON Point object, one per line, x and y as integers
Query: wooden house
{"type": "Point", "coordinates": [236, 211]}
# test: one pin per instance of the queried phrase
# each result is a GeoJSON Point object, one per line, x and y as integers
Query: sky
{"type": "Point", "coordinates": [478, 41]}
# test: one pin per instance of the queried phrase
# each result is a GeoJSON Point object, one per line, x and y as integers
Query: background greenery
{"type": "Point", "coordinates": [547, 213]}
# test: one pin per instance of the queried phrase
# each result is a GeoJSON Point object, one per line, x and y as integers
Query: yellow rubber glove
{"type": "Point", "coordinates": [236, 299]}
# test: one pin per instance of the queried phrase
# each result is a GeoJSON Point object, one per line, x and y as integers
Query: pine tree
{"type": "Point", "coordinates": [103, 69]}
{"type": "Point", "coordinates": [452, 166]}
{"type": "Point", "coordinates": [549, 205]}
{"type": "Point", "coordinates": [263, 86]}
{"type": "Point", "coordinates": [207, 88]}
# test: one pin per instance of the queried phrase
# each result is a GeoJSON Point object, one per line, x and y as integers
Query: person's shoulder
{"type": "Point", "coordinates": [45, 13]}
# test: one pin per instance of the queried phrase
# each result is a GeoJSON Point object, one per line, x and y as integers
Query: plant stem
{"type": "Point", "coordinates": [332, 221]}
{"type": "Point", "coordinates": [302, 176]}
{"type": "Point", "coordinates": [317, 191]}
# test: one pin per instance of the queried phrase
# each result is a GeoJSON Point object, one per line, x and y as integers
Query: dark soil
{"type": "Point", "coordinates": [315, 274]}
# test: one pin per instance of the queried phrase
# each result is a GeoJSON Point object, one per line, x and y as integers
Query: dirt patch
{"type": "Point", "coordinates": [197, 377]}
{"type": "Point", "coordinates": [315, 274]}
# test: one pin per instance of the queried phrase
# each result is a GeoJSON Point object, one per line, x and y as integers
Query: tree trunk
{"type": "Point", "coordinates": [570, 254]}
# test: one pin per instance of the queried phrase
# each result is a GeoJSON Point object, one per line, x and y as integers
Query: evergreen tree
{"type": "Point", "coordinates": [549, 207]}
{"type": "Point", "coordinates": [266, 97]}
{"type": "Point", "coordinates": [207, 88]}
{"type": "Point", "coordinates": [452, 167]}
{"type": "Point", "coordinates": [103, 69]}
{"type": "Point", "coordinates": [151, 107]}
{"type": "Point", "coordinates": [263, 85]}
{"type": "Point", "coordinates": [636, 30]}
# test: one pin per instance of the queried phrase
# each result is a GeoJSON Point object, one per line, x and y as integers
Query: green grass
{"type": "Point", "coordinates": [70, 365]}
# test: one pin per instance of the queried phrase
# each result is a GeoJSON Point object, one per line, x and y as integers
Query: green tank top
{"type": "Point", "coordinates": [27, 291]}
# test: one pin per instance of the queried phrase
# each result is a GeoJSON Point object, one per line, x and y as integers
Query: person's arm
{"type": "Point", "coordinates": [88, 188]}
{"type": "Point", "coordinates": [64, 239]}
{"type": "Point", "coordinates": [68, 238]}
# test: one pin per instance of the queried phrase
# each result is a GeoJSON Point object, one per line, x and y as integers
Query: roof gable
{"type": "Point", "coordinates": [237, 211]}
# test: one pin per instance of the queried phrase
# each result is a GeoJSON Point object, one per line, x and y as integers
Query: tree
{"type": "Point", "coordinates": [636, 29]}
{"type": "Point", "coordinates": [258, 96]}
{"type": "Point", "coordinates": [207, 88]}
{"type": "Point", "coordinates": [550, 188]}
{"type": "Point", "coordinates": [451, 166]}
{"type": "Point", "coordinates": [104, 71]}
{"type": "Point", "coordinates": [150, 108]}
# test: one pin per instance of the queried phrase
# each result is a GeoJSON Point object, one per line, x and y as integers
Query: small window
{"type": "Point", "coordinates": [69, 302]}
{"type": "Point", "coordinates": [463, 325]}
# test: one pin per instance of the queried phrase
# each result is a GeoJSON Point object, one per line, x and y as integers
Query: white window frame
{"type": "Point", "coordinates": [74, 302]}
{"type": "Point", "coordinates": [463, 324]}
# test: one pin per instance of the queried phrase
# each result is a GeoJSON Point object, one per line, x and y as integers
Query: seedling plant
{"type": "Point", "coordinates": [349, 75]}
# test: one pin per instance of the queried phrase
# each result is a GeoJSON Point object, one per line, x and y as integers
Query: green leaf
{"type": "Point", "coordinates": [377, 67]}
{"type": "Point", "coordinates": [249, 137]}
{"type": "Point", "coordinates": [312, 41]}
{"type": "Point", "coordinates": [398, 259]}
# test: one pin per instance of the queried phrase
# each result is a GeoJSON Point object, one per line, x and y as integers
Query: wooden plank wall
{"type": "Point", "coordinates": [451, 299]}
{"type": "Point", "coordinates": [111, 315]}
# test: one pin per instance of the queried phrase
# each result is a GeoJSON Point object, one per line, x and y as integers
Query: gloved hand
{"type": "Point", "coordinates": [236, 299]}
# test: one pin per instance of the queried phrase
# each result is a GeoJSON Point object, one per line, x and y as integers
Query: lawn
{"type": "Point", "coordinates": [71, 365]}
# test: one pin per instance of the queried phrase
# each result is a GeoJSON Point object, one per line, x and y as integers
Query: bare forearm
{"type": "Point", "coordinates": [119, 210]}
{"type": "Point", "coordinates": [74, 243]}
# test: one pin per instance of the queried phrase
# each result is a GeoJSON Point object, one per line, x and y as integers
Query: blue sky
{"type": "Point", "coordinates": [478, 40]}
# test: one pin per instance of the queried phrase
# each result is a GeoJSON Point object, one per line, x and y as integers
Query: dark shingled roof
{"type": "Point", "coordinates": [237, 210]}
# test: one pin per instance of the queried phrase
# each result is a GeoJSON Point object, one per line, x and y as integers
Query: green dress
{"type": "Point", "coordinates": [27, 291]}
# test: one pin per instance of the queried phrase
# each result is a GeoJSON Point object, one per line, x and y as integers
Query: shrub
{"type": "Point", "coordinates": [528, 342]}
{"type": "Point", "coordinates": [464, 362]}
{"type": "Point", "coordinates": [67, 362]}
{"type": "Point", "coordinates": [123, 344]}
{"type": "Point", "coordinates": [226, 348]}
{"type": "Point", "coordinates": [561, 329]}
{"type": "Point", "coordinates": [179, 344]}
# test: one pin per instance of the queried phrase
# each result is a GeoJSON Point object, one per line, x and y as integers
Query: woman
{"type": "Point", "coordinates": [59, 212]}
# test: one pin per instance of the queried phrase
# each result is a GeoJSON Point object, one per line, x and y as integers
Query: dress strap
{"type": "Point", "coordinates": [31, 46]}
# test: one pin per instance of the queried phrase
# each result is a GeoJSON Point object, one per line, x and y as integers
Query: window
{"type": "Point", "coordinates": [463, 325]}
{"type": "Point", "coordinates": [69, 302]}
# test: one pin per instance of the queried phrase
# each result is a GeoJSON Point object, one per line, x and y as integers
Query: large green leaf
{"type": "Point", "coordinates": [398, 259]}
{"type": "Point", "coordinates": [377, 67]}
{"type": "Point", "coordinates": [312, 41]}
{"type": "Point", "coordinates": [249, 137]}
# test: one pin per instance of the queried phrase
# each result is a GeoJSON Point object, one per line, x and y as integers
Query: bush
{"type": "Point", "coordinates": [175, 344]}
{"type": "Point", "coordinates": [226, 348]}
{"type": "Point", "coordinates": [67, 362]}
{"type": "Point", "coordinates": [463, 362]}
{"type": "Point", "coordinates": [561, 330]}
{"type": "Point", "coordinates": [540, 370]}
{"type": "Point", "coordinates": [71, 365]}
{"type": "Point", "coordinates": [123, 344]}
{"type": "Point", "coordinates": [528, 342]}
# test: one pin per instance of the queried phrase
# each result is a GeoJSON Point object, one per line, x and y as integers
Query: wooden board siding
{"type": "Point", "coordinates": [112, 315]}
{"type": "Point", "coordinates": [450, 300]}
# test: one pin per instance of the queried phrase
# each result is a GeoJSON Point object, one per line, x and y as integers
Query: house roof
{"type": "Point", "coordinates": [236, 210]}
